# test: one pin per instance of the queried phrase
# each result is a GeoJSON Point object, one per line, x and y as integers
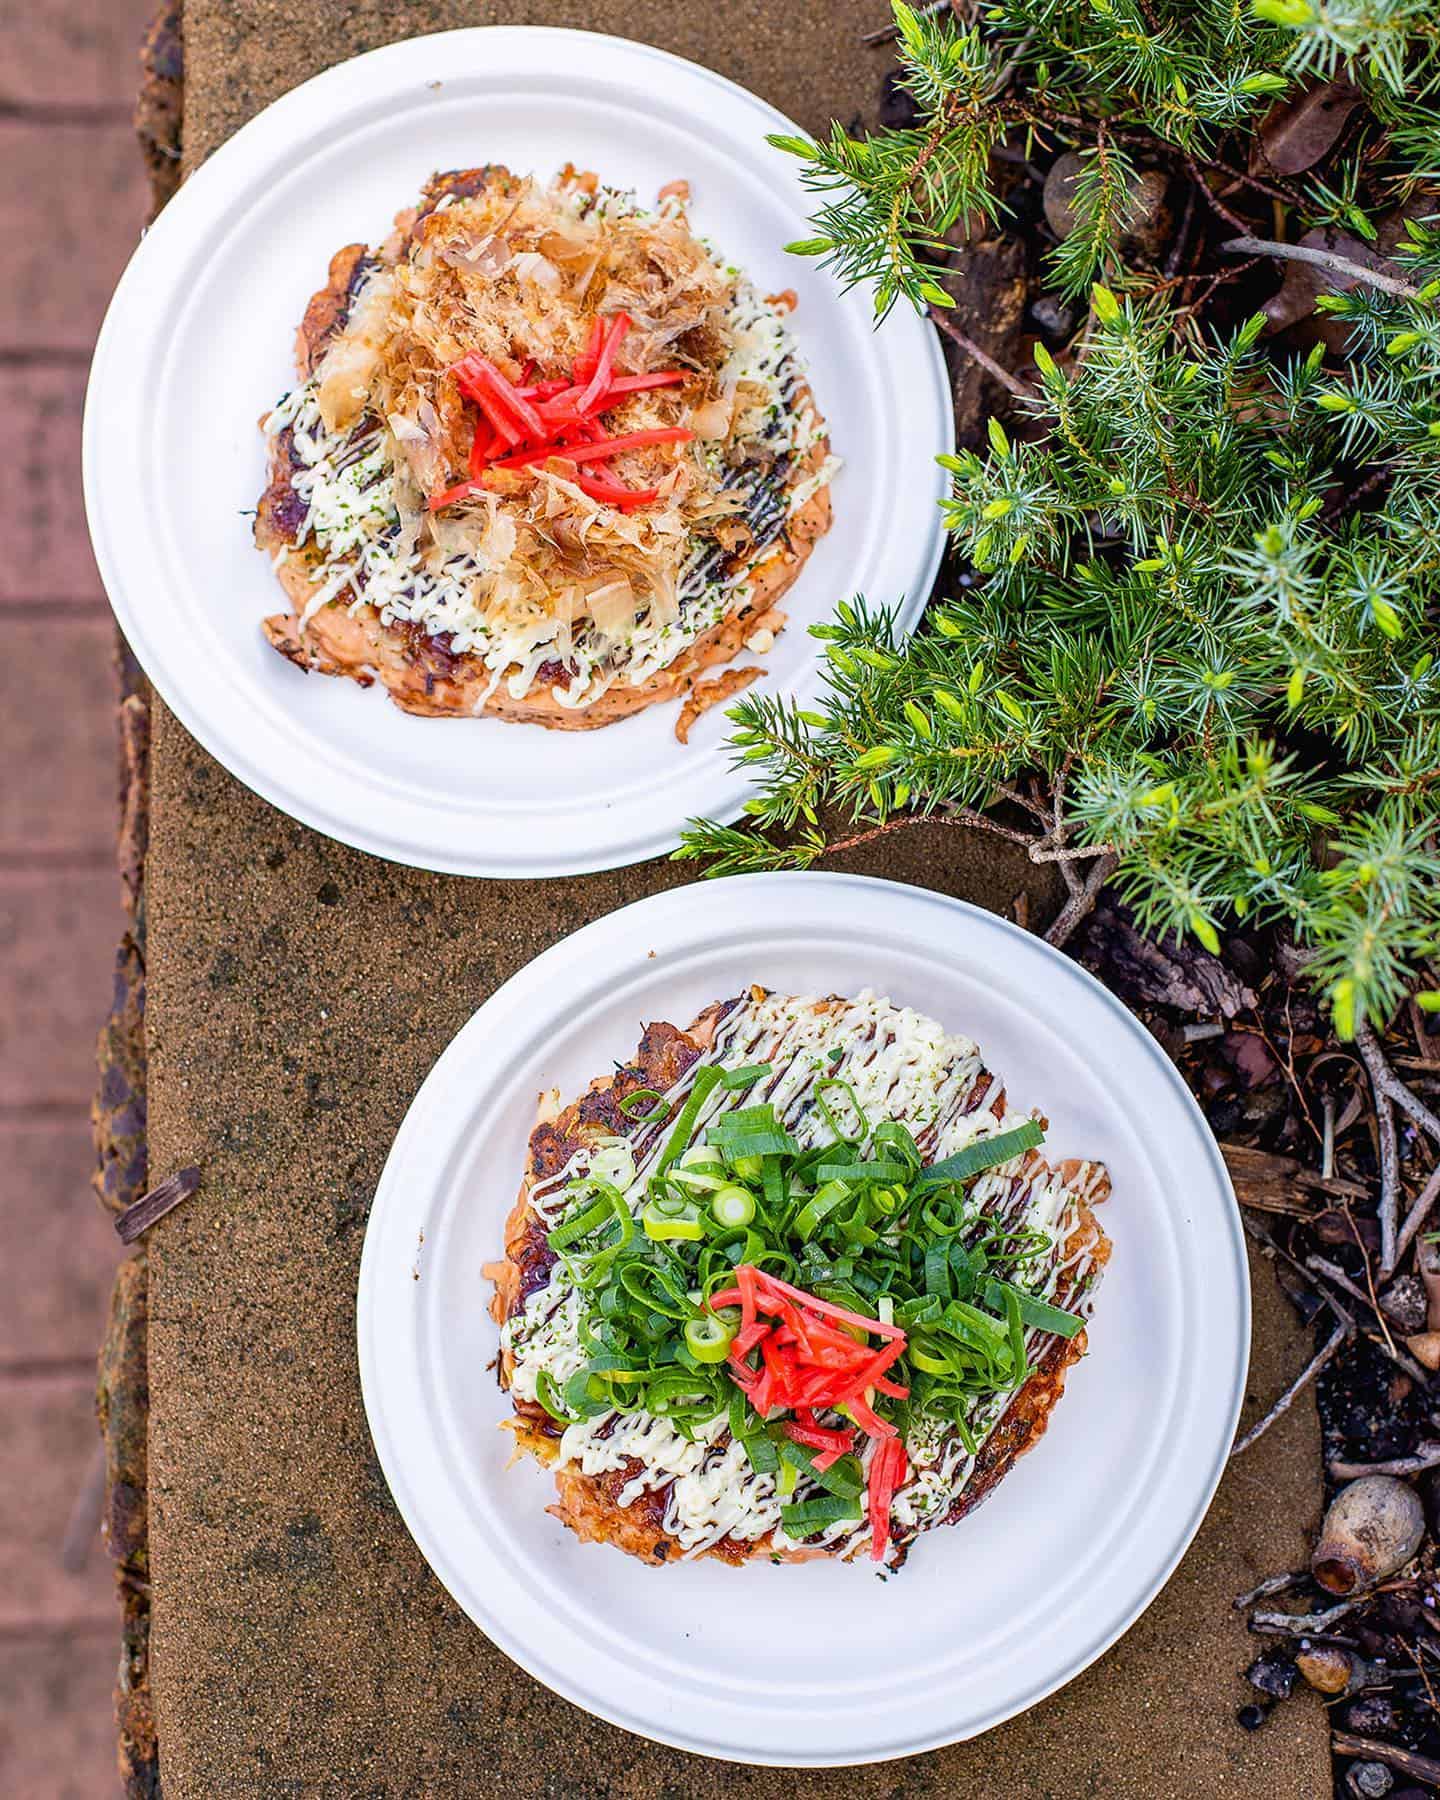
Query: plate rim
{"type": "Point", "coordinates": [164, 253]}
{"type": "Point", "coordinates": [513, 992]}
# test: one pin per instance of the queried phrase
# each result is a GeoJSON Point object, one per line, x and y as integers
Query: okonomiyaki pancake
{"type": "Point", "coordinates": [794, 1282]}
{"type": "Point", "coordinates": [549, 458]}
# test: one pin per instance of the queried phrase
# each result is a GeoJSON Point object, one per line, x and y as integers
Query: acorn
{"type": "Point", "coordinates": [1373, 1527]}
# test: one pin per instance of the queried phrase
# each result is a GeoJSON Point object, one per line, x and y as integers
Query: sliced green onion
{"type": "Point", "coordinates": [1040, 1315]}
{"type": "Point", "coordinates": [965, 1269]}
{"type": "Point", "coordinates": [900, 1140]}
{"type": "Point", "coordinates": [732, 1079]}
{"type": "Point", "coordinates": [733, 1206]}
{"type": "Point", "coordinates": [843, 1477]}
{"type": "Point", "coordinates": [818, 1207]}
{"type": "Point", "coordinates": [656, 1289]}
{"type": "Point", "coordinates": [971, 1325]}
{"type": "Point", "coordinates": [832, 1083]}
{"type": "Point", "coordinates": [701, 1169]}
{"type": "Point", "coordinates": [704, 1086]}
{"type": "Point", "coordinates": [747, 1118]}
{"type": "Point", "coordinates": [984, 1153]}
{"type": "Point", "coordinates": [930, 1357]}
{"type": "Point", "coordinates": [855, 1172]}
{"type": "Point", "coordinates": [682, 1396]}
{"type": "Point", "coordinates": [545, 1393]}
{"type": "Point", "coordinates": [581, 1224]}
{"type": "Point", "coordinates": [582, 1401]}
{"type": "Point", "coordinates": [758, 1143]}
{"type": "Point", "coordinates": [645, 1105]}
{"type": "Point", "coordinates": [764, 1457]}
{"type": "Point", "coordinates": [1017, 1335]}
{"type": "Point", "coordinates": [665, 1221]}
{"type": "Point", "coordinates": [697, 1181]}
{"type": "Point", "coordinates": [750, 1168]}
{"type": "Point", "coordinates": [594, 1262]}
{"type": "Point", "coordinates": [807, 1516]}
{"type": "Point", "coordinates": [708, 1338]}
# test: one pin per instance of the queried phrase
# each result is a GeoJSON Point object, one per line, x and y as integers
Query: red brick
{"type": "Point", "coordinates": [57, 715]}
{"type": "Point", "coordinates": [61, 1248]}
{"type": "Point", "coordinates": [48, 547]}
{"type": "Point", "coordinates": [48, 1429]}
{"type": "Point", "coordinates": [57, 1735]}
{"type": "Point", "coordinates": [57, 946]}
{"type": "Point", "coordinates": [71, 207]}
{"type": "Point", "coordinates": [73, 52]}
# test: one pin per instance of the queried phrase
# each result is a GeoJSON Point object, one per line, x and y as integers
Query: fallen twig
{"type": "Point", "coordinates": [1217, 204]}
{"type": "Point", "coordinates": [1021, 389]}
{"type": "Point", "coordinates": [1272, 1584]}
{"type": "Point", "coordinates": [1182, 236]}
{"type": "Point", "coordinates": [1417, 1214]}
{"type": "Point", "coordinates": [1263, 1237]}
{"type": "Point", "coordinates": [1390, 1091]}
{"type": "Point", "coordinates": [1426, 1458]}
{"type": "Point", "coordinates": [1296, 1387]}
{"type": "Point", "coordinates": [1317, 1265]}
{"type": "Point", "coordinates": [1423, 1768]}
{"type": "Point", "coordinates": [1319, 259]}
{"type": "Point", "coordinates": [1387, 1082]}
{"type": "Point", "coordinates": [141, 1214]}
{"type": "Point", "coordinates": [1398, 1357]}
{"type": "Point", "coordinates": [1306, 1624]}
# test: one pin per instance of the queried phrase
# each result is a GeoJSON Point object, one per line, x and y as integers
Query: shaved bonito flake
{"type": "Point", "coordinates": [394, 496]}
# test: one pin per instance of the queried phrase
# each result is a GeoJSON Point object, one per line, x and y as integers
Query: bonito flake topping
{"type": "Point", "coordinates": [432, 533]}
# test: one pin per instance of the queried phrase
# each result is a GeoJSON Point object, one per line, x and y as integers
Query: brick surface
{"type": "Point", "coordinates": [72, 52]}
{"type": "Point", "coordinates": [49, 550]}
{"type": "Point", "coordinates": [57, 1741]}
{"type": "Point", "coordinates": [57, 735]}
{"type": "Point", "coordinates": [61, 1249]}
{"type": "Point", "coordinates": [47, 1428]}
{"type": "Point", "coordinates": [57, 945]}
{"type": "Point", "coordinates": [72, 202]}
{"type": "Point", "coordinates": [70, 211]}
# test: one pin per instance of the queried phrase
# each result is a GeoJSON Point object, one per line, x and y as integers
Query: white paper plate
{"type": "Point", "coordinates": [197, 345]}
{"type": "Point", "coordinates": [814, 1663]}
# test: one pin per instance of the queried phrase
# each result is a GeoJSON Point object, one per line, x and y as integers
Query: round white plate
{"type": "Point", "coordinates": [815, 1663]}
{"type": "Point", "coordinates": [198, 344]}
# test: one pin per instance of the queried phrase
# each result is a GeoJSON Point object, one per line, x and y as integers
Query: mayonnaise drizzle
{"type": "Point", "coordinates": [347, 482]}
{"type": "Point", "coordinates": [901, 1065]}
